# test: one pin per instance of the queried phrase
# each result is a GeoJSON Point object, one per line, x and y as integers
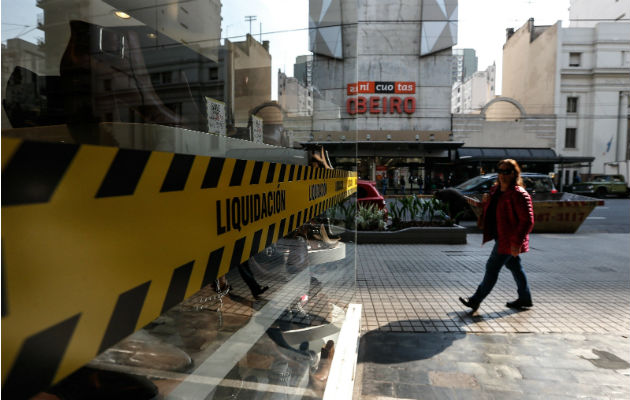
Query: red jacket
{"type": "Point", "coordinates": [515, 220]}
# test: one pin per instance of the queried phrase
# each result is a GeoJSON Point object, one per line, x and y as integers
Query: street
{"type": "Point", "coordinates": [418, 341]}
{"type": "Point", "coordinates": [612, 217]}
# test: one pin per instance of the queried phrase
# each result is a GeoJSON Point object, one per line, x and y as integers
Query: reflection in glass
{"type": "Point", "coordinates": [165, 76]}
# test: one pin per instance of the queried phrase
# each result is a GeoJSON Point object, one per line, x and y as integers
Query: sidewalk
{"type": "Point", "coordinates": [418, 341]}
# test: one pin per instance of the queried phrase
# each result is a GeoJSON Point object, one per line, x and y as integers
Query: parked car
{"type": "Point", "coordinates": [367, 194]}
{"type": "Point", "coordinates": [602, 185]}
{"type": "Point", "coordinates": [534, 183]}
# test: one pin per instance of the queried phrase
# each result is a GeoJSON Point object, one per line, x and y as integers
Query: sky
{"type": "Point", "coordinates": [482, 25]}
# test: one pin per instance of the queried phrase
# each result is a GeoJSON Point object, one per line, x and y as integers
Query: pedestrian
{"type": "Point", "coordinates": [384, 182]}
{"type": "Point", "coordinates": [508, 218]}
{"type": "Point", "coordinates": [402, 184]}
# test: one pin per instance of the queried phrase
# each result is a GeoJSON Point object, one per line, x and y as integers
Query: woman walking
{"type": "Point", "coordinates": [508, 218]}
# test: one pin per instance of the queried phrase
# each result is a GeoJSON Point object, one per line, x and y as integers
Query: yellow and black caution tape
{"type": "Point", "coordinates": [98, 241]}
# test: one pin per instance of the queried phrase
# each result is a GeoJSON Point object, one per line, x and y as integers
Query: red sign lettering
{"type": "Point", "coordinates": [409, 105]}
{"type": "Point", "coordinates": [374, 105]}
{"type": "Point", "coordinates": [394, 104]}
{"type": "Point", "coordinates": [405, 87]}
{"type": "Point", "coordinates": [366, 87]}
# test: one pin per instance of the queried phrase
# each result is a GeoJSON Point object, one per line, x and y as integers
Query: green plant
{"type": "Point", "coordinates": [408, 206]}
{"type": "Point", "coordinates": [349, 211]}
{"type": "Point", "coordinates": [370, 218]}
{"type": "Point", "coordinates": [420, 207]}
{"type": "Point", "coordinates": [333, 212]}
{"type": "Point", "coordinates": [437, 208]}
{"type": "Point", "coordinates": [395, 211]}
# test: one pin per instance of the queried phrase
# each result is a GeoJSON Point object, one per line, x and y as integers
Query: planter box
{"type": "Point", "coordinates": [416, 235]}
{"type": "Point", "coordinates": [553, 212]}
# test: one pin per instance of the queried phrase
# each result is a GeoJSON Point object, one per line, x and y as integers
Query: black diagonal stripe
{"type": "Point", "coordinates": [237, 173]}
{"type": "Point", "coordinates": [305, 216]}
{"type": "Point", "coordinates": [306, 173]}
{"type": "Point", "coordinates": [124, 173]}
{"type": "Point", "coordinates": [291, 172]}
{"type": "Point", "coordinates": [290, 229]}
{"type": "Point", "coordinates": [310, 174]}
{"type": "Point", "coordinates": [310, 213]}
{"type": "Point", "coordinates": [34, 172]}
{"type": "Point", "coordinates": [271, 231]}
{"type": "Point", "coordinates": [298, 176]}
{"type": "Point", "coordinates": [213, 173]}
{"type": "Point", "coordinates": [298, 219]}
{"type": "Point", "coordinates": [177, 287]}
{"type": "Point", "coordinates": [270, 172]}
{"type": "Point", "coordinates": [256, 243]}
{"type": "Point", "coordinates": [212, 269]}
{"type": "Point", "coordinates": [283, 170]}
{"type": "Point", "coordinates": [38, 360]}
{"type": "Point", "coordinates": [283, 222]}
{"type": "Point", "coordinates": [177, 174]}
{"type": "Point", "coordinates": [237, 253]}
{"type": "Point", "coordinates": [125, 316]}
{"type": "Point", "coordinates": [5, 294]}
{"type": "Point", "coordinates": [256, 173]}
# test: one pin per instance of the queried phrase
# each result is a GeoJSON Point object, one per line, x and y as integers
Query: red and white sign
{"type": "Point", "coordinates": [381, 87]}
{"type": "Point", "coordinates": [381, 104]}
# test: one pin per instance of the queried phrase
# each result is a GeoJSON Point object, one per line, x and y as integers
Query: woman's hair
{"type": "Point", "coordinates": [512, 164]}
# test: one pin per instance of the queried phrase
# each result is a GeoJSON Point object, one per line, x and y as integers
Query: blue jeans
{"type": "Point", "coordinates": [493, 266]}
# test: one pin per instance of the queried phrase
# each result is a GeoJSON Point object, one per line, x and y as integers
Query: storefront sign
{"type": "Point", "coordinates": [381, 104]}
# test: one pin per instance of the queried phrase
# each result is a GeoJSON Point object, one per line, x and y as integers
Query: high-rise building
{"type": "Point", "coordinates": [303, 70]}
{"type": "Point", "coordinates": [463, 64]}
{"type": "Point", "coordinates": [471, 95]}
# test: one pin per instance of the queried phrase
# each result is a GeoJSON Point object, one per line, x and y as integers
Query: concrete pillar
{"type": "Point", "coordinates": [622, 127]}
{"type": "Point", "coordinates": [372, 168]}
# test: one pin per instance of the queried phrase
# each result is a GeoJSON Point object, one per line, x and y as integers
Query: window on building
{"type": "Point", "coordinates": [167, 77]}
{"type": "Point", "coordinates": [569, 138]}
{"type": "Point", "coordinates": [213, 74]}
{"type": "Point", "coordinates": [574, 59]}
{"type": "Point", "coordinates": [572, 104]}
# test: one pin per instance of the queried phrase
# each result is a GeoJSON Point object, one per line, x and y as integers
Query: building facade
{"type": "Point", "coordinates": [475, 92]}
{"type": "Point", "coordinates": [381, 102]}
{"type": "Point", "coordinates": [581, 74]}
{"type": "Point", "coordinates": [293, 97]}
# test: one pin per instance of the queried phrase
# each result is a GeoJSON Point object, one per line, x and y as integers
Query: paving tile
{"type": "Point", "coordinates": [376, 388]}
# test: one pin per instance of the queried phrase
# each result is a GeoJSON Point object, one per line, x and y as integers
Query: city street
{"type": "Point", "coordinates": [419, 342]}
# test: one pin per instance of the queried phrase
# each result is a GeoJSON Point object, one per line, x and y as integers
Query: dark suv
{"type": "Point", "coordinates": [534, 183]}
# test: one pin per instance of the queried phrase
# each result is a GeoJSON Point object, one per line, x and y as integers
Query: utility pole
{"type": "Point", "coordinates": [250, 18]}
